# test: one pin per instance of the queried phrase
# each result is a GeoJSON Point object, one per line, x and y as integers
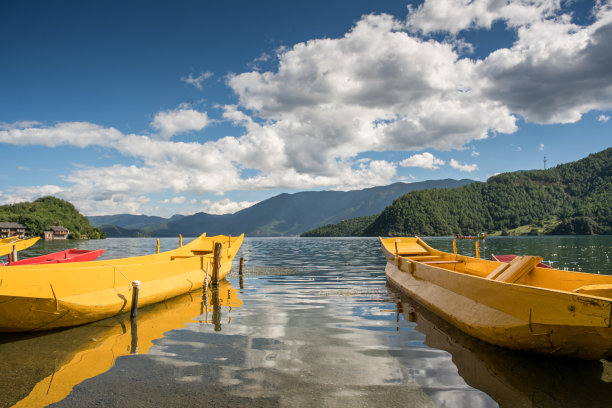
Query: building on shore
{"type": "Point", "coordinates": [56, 232]}
{"type": "Point", "coordinates": [12, 229]}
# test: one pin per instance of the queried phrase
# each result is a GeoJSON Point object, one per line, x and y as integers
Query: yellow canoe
{"type": "Point", "coordinates": [515, 305]}
{"type": "Point", "coordinates": [8, 245]}
{"type": "Point", "coordinates": [42, 297]}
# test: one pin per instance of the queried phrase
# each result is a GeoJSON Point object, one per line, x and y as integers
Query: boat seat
{"type": "Point", "coordinates": [515, 269]}
{"type": "Point", "coordinates": [420, 258]}
{"type": "Point", "coordinates": [195, 252]}
{"type": "Point", "coordinates": [603, 290]}
{"type": "Point", "coordinates": [448, 261]}
{"type": "Point", "coordinates": [410, 248]}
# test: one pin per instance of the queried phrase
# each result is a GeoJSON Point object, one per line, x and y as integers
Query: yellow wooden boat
{"type": "Point", "coordinates": [8, 245]}
{"type": "Point", "coordinates": [516, 305]}
{"type": "Point", "coordinates": [41, 297]}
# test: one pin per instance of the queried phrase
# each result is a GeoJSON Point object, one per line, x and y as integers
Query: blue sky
{"type": "Point", "coordinates": [159, 107]}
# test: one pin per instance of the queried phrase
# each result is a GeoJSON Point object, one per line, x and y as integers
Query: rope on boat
{"type": "Point", "coordinates": [123, 274]}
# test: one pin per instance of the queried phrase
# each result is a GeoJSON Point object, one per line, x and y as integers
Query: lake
{"type": "Point", "coordinates": [312, 322]}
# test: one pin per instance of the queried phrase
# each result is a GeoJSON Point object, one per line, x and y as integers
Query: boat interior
{"type": "Point", "coordinates": [521, 270]}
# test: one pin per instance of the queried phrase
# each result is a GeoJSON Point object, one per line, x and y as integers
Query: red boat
{"type": "Point", "coordinates": [69, 255]}
{"type": "Point", "coordinates": [508, 258]}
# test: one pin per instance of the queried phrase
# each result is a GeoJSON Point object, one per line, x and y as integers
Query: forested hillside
{"type": "Point", "coordinates": [346, 228]}
{"type": "Point", "coordinates": [573, 198]}
{"type": "Point", "coordinates": [44, 212]}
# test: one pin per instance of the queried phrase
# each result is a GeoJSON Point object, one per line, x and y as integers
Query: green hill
{"type": "Point", "coordinates": [44, 212]}
{"type": "Point", "coordinates": [345, 228]}
{"type": "Point", "coordinates": [113, 231]}
{"type": "Point", "coordinates": [573, 198]}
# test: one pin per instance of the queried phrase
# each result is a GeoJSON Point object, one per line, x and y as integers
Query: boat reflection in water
{"type": "Point", "coordinates": [68, 357]}
{"type": "Point", "coordinates": [512, 378]}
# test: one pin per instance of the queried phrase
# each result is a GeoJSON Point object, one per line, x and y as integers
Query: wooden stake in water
{"type": "Point", "coordinates": [134, 333]}
{"type": "Point", "coordinates": [157, 249]}
{"type": "Point", "coordinates": [216, 304]}
{"type": "Point", "coordinates": [206, 275]}
{"type": "Point", "coordinates": [240, 273]}
{"type": "Point", "coordinates": [135, 290]}
{"type": "Point", "coordinates": [216, 264]}
{"type": "Point", "coordinates": [14, 254]}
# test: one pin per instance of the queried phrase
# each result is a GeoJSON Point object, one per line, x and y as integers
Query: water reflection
{"type": "Point", "coordinates": [68, 357]}
{"type": "Point", "coordinates": [511, 378]}
{"type": "Point", "coordinates": [302, 340]}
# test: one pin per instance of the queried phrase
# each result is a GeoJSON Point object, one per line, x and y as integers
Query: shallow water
{"type": "Point", "coordinates": [311, 323]}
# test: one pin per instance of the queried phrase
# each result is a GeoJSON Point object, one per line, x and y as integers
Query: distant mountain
{"type": "Point", "coordinates": [113, 231]}
{"type": "Point", "coordinates": [128, 221]}
{"type": "Point", "coordinates": [286, 214]}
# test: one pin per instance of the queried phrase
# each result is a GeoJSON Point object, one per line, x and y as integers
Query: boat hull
{"type": "Point", "coordinates": [509, 315]}
{"type": "Point", "coordinates": [43, 297]}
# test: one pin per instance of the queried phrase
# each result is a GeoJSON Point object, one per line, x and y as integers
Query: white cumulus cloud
{"type": "Point", "coordinates": [170, 123]}
{"type": "Point", "coordinates": [457, 15]}
{"type": "Point", "coordinates": [225, 206]}
{"type": "Point", "coordinates": [80, 134]}
{"type": "Point", "coordinates": [424, 160]}
{"type": "Point", "coordinates": [467, 168]}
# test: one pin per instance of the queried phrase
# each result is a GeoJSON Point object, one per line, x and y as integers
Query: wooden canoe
{"type": "Point", "coordinates": [69, 255]}
{"type": "Point", "coordinates": [515, 305]}
{"type": "Point", "coordinates": [42, 297]}
{"type": "Point", "coordinates": [16, 245]}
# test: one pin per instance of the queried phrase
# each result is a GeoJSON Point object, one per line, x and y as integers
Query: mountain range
{"type": "Point", "coordinates": [282, 215]}
{"type": "Point", "coordinates": [570, 199]}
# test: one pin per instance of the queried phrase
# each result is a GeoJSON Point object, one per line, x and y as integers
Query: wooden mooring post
{"type": "Point", "coordinates": [134, 333]}
{"type": "Point", "coordinates": [240, 273]}
{"type": "Point", "coordinates": [135, 290]}
{"type": "Point", "coordinates": [216, 304]}
{"type": "Point", "coordinates": [216, 264]}
{"type": "Point", "coordinates": [205, 290]}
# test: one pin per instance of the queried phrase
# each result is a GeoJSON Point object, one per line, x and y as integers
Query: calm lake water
{"type": "Point", "coordinates": [312, 323]}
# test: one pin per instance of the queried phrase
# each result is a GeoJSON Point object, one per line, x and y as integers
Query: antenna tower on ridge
{"type": "Point", "coordinates": [544, 162]}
